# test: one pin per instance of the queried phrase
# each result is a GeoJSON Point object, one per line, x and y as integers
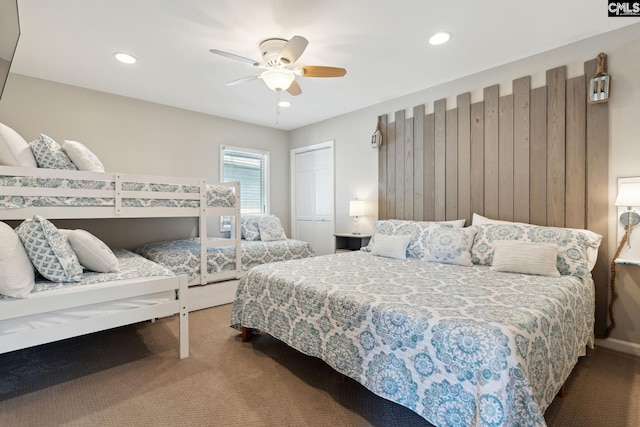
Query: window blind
{"type": "Point", "coordinates": [250, 170]}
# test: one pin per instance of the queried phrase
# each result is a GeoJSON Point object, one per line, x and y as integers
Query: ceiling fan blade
{"type": "Point", "coordinates": [294, 89]}
{"type": "Point", "coordinates": [234, 56]}
{"type": "Point", "coordinates": [243, 80]}
{"type": "Point", "coordinates": [293, 49]}
{"type": "Point", "coordinates": [320, 71]}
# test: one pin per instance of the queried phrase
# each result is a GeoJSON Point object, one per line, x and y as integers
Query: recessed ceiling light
{"type": "Point", "coordinates": [439, 38]}
{"type": "Point", "coordinates": [125, 58]}
{"type": "Point", "coordinates": [284, 104]}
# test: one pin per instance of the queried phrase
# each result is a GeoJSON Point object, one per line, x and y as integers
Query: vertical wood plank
{"type": "Point", "coordinates": [505, 158]}
{"type": "Point", "coordinates": [556, 99]}
{"type": "Point", "coordinates": [598, 196]}
{"type": "Point", "coordinates": [491, 130]}
{"type": "Point", "coordinates": [382, 169]}
{"type": "Point", "coordinates": [439, 109]}
{"type": "Point", "coordinates": [464, 157]}
{"type": "Point", "coordinates": [477, 157]}
{"type": "Point", "coordinates": [391, 170]}
{"type": "Point", "coordinates": [408, 169]}
{"type": "Point", "coordinates": [429, 167]}
{"type": "Point", "coordinates": [400, 126]}
{"type": "Point", "coordinates": [418, 162]}
{"type": "Point", "coordinates": [521, 120]}
{"type": "Point", "coordinates": [451, 168]}
{"type": "Point", "coordinates": [538, 153]}
{"type": "Point", "coordinates": [576, 153]}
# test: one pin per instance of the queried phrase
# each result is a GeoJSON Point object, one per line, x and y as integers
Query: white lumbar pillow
{"type": "Point", "coordinates": [17, 276]}
{"type": "Point", "coordinates": [391, 246]}
{"type": "Point", "coordinates": [92, 252]}
{"type": "Point", "coordinates": [82, 157]}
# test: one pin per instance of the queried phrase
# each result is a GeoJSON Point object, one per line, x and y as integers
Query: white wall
{"type": "Point", "coordinates": [356, 163]}
{"type": "Point", "coordinates": [133, 136]}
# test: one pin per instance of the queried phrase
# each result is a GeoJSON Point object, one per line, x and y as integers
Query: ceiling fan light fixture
{"type": "Point", "coordinates": [278, 79]}
{"type": "Point", "coordinates": [439, 38]}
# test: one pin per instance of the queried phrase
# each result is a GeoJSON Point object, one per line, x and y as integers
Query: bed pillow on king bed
{"type": "Point", "coordinates": [83, 158]}
{"type": "Point", "coordinates": [448, 245]}
{"type": "Point", "coordinates": [513, 256]}
{"type": "Point", "coordinates": [50, 155]}
{"type": "Point", "coordinates": [49, 250]}
{"type": "Point", "coordinates": [391, 246]}
{"type": "Point", "coordinates": [17, 277]}
{"type": "Point", "coordinates": [418, 230]}
{"type": "Point", "coordinates": [92, 252]}
{"type": "Point", "coordinates": [14, 150]}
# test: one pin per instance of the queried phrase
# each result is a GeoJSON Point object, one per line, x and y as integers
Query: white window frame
{"type": "Point", "coordinates": [267, 177]}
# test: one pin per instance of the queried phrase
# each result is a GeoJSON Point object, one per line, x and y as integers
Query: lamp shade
{"type": "Point", "coordinates": [278, 79]}
{"type": "Point", "coordinates": [628, 194]}
{"type": "Point", "coordinates": [356, 208]}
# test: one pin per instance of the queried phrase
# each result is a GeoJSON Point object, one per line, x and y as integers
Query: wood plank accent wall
{"type": "Point", "coordinates": [536, 155]}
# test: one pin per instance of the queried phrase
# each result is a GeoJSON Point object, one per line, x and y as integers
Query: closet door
{"type": "Point", "coordinates": [313, 198]}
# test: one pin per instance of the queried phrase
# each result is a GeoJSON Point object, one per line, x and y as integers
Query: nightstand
{"type": "Point", "coordinates": [351, 242]}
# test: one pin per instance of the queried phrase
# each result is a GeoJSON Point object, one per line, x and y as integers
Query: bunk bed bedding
{"type": "Point", "coordinates": [457, 345]}
{"type": "Point", "coordinates": [139, 290]}
{"type": "Point", "coordinates": [183, 256]}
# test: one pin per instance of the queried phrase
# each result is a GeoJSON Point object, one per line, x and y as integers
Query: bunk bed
{"type": "Point", "coordinates": [72, 194]}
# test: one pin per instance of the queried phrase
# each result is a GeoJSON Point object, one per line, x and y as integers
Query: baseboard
{"type": "Point", "coordinates": [619, 345]}
{"type": "Point", "coordinates": [211, 295]}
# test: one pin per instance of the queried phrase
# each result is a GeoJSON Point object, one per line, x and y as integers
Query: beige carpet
{"type": "Point", "coordinates": [131, 376]}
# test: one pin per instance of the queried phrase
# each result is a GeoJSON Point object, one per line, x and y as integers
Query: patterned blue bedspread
{"type": "Point", "coordinates": [183, 256]}
{"type": "Point", "coordinates": [457, 345]}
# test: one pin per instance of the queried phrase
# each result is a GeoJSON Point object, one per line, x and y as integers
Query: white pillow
{"type": "Point", "coordinates": [271, 229]}
{"type": "Point", "coordinates": [448, 245]}
{"type": "Point", "coordinates": [592, 249]}
{"type": "Point", "coordinates": [17, 277]}
{"type": "Point", "coordinates": [515, 256]}
{"type": "Point", "coordinates": [92, 252]}
{"type": "Point", "coordinates": [14, 150]}
{"type": "Point", "coordinates": [82, 157]}
{"type": "Point", "coordinates": [49, 154]}
{"type": "Point", "coordinates": [49, 250]}
{"type": "Point", "coordinates": [391, 246]}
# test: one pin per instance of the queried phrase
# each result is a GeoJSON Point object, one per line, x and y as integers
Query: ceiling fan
{"type": "Point", "coordinates": [278, 57]}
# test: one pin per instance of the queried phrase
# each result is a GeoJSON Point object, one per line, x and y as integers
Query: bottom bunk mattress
{"type": "Point", "coordinates": [131, 266]}
{"type": "Point", "coordinates": [183, 256]}
{"type": "Point", "coordinates": [457, 345]}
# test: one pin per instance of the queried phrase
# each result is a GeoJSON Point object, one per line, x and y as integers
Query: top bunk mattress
{"type": "Point", "coordinates": [37, 188]}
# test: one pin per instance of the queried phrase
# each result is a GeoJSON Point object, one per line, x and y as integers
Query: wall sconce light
{"type": "Point", "coordinates": [356, 209]}
{"type": "Point", "coordinates": [629, 196]}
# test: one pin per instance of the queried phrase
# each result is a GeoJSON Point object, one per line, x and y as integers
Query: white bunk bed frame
{"type": "Point", "coordinates": [220, 287]}
{"type": "Point", "coordinates": [221, 291]}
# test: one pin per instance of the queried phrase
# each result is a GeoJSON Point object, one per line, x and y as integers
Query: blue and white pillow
{"type": "Point", "coordinates": [49, 250]}
{"type": "Point", "coordinates": [83, 158]}
{"type": "Point", "coordinates": [49, 154]}
{"type": "Point", "coordinates": [418, 230]}
{"type": "Point", "coordinates": [271, 229]}
{"type": "Point", "coordinates": [572, 245]}
{"type": "Point", "coordinates": [448, 245]}
{"type": "Point", "coordinates": [250, 227]}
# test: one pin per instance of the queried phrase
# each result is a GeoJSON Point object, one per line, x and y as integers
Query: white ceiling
{"type": "Point", "coordinates": [382, 44]}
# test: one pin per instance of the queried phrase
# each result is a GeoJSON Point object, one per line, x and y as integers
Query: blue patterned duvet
{"type": "Point", "coordinates": [457, 345]}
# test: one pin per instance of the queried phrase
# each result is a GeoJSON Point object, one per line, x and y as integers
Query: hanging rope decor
{"type": "Point", "coordinates": [600, 83]}
{"type": "Point", "coordinates": [614, 295]}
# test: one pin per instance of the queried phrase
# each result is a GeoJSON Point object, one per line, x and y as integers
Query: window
{"type": "Point", "coordinates": [251, 168]}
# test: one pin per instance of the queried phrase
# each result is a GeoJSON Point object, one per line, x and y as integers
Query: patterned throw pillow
{"type": "Point", "coordinates": [82, 157]}
{"type": "Point", "coordinates": [92, 252]}
{"type": "Point", "coordinates": [572, 244]}
{"type": "Point", "coordinates": [271, 229]}
{"type": "Point", "coordinates": [448, 245]}
{"type": "Point", "coordinates": [49, 154]}
{"type": "Point", "coordinates": [418, 230]}
{"type": "Point", "coordinates": [49, 250]}
{"type": "Point", "coordinates": [250, 227]}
